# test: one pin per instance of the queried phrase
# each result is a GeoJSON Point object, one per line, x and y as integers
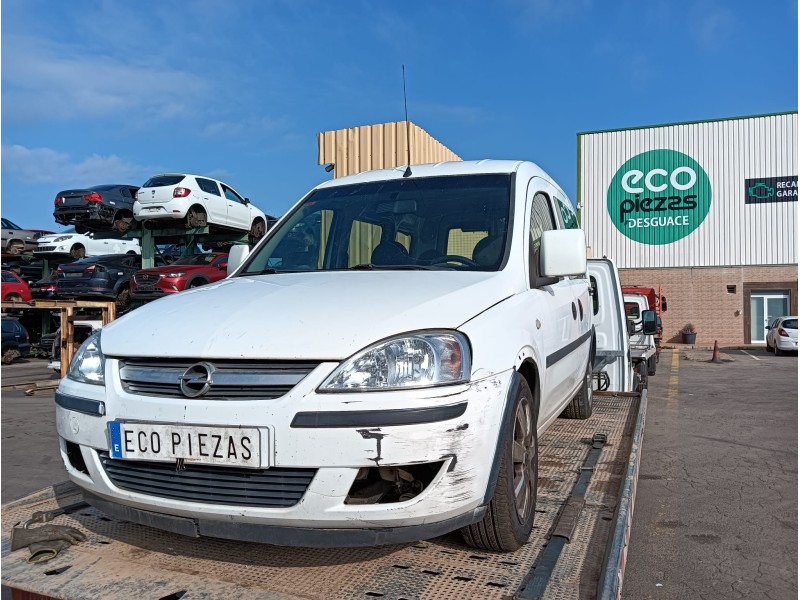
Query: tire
{"type": "Point", "coordinates": [122, 223]}
{"type": "Point", "coordinates": [196, 217]}
{"type": "Point", "coordinates": [641, 372]}
{"type": "Point", "coordinates": [651, 365]}
{"type": "Point", "coordinates": [81, 229]}
{"type": "Point", "coordinates": [123, 298]}
{"type": "Point", "coordinates": [13, 298]}
{"type": "Point", "coordinates": [509, 517]}
{"type": "Point", "coordinates": [769, 348]}
{"type": "Point", "coordinates": [778, 351]}
{"type": "Point", "coordinates": [257, 231]}
{"type": "Point", "coordinates": [580, 407]}
{"type": "Point", "coordinates": [77, 251]}
{"type": "Point", "coordinates": [15, 247]}
{"type": "Point", "coordinates": [196, 283]}
{"type": "Point", "coordinates": [10, 355]}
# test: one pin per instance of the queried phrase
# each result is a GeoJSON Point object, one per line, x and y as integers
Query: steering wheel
{"type": "Point", "coordinates": [454, 258]}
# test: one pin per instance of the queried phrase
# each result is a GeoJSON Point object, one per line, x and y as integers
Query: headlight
{"type": "Point", "coordinates": [62, 238]}
{"type": "Point", "coordinates": [409, 361]}
{"type": "Point", "coordinates": [88, 365]}
{"type": "Point", "coordinates": [176, 274]}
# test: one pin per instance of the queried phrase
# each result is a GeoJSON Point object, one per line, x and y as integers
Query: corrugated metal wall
{"type": "Point", "coordinates": [730, 152]}
{"type": "Point", "coordinates": [380, 146]}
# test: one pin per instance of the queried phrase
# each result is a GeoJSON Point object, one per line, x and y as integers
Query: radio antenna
{"type": "Point", "coordinates": [408, 127]}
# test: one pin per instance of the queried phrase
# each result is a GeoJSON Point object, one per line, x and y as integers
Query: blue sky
{"type": "Point", "coordinates": [100, 91]}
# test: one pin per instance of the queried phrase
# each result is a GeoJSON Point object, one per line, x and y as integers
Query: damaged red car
{"type": "Point", "coordinates": [185, 273]}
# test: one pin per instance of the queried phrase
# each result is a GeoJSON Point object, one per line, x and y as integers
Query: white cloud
{"type": "Point", "coordinates": [534, 12]}
{"type": "Point", "coordinates": [42, 80]}
{"type": "Point", "coordinates": [714, 27]}
{"type": "Point", "coordinates": [242, 127]}
{"type": "Point", "coordinates": [45, 165]}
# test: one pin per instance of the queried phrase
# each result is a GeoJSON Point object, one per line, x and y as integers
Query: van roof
{"type": "Point", "coordinates": [466, 167]}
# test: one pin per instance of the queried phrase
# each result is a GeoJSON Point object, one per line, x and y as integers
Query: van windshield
{"type": "Point", "coordinates": [454, 222]}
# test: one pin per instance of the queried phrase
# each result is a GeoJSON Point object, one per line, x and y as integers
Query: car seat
{"type": "Point", "coordinates": [390, 253]}
{"type": "Point", "coordinates": [487, 251]}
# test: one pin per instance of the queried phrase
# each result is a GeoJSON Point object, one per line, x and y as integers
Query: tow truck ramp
{"type": "Point", "coordinates": [577, 548]}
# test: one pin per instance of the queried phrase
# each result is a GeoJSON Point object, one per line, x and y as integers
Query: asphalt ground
{"type": "Point", "coordinates": [716, 506]}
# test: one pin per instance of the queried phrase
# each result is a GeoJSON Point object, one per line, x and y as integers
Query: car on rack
{"type": "Point", "coordinates": [98, 208]}
{"type": "Point", "coordinates": [99, 277]}
{"type": "Point", "coordinates": [15, 340]}
{"type": "Point", "coordinates": [17, 240]}
{"type": "Point", "coordinates": [80, 245]}
{"type": "Point", "coordinates": [183, 274]}
{"type": "Point", "coordinates": [45, 288]}
{"type": "Point", "coordinates": [14, 288]}
{"type": "Point", "coordinates": [199, 202]}
{"type": "Point", "coordinates": [782, 335]}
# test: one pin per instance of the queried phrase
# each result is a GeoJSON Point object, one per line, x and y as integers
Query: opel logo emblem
{"type": "Point", "coordinates": [196, 380]}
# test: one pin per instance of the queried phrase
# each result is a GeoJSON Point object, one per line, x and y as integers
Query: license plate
{"type": "Point", "coordinates": [233, 446]}
{"type": "Point", "coordinates": [144, 288]}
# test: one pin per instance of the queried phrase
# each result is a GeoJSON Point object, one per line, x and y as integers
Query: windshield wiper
{"type": "Point", "coordinates": [374, 267]}
{"type": "Point", "coordinates": [273, 271]}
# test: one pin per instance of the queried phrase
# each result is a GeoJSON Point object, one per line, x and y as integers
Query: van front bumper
{"type": "Point", "coordinates": [336, 435]}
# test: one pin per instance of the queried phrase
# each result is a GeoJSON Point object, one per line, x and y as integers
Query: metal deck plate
{"type": "Point", "coordinates": [124, 560]}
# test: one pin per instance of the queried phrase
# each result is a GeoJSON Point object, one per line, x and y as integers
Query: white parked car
{"type": "Point", "coordinates": [377, 371]}
{"type": "Point", "coordinates": [80, 245]}
{"type": "Point", "coordinates": [782, 335]}
{"type": "Point", "coordinates": [198, 201]}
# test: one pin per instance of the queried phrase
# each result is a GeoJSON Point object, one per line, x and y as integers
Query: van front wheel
{"type": "Point", "coordinates": [508, 520]}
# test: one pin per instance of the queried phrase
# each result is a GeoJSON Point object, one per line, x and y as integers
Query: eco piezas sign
{"type": "Point", "coordinates": [770, 189]}
{"type": "Point", "coordinates": [659, 197]}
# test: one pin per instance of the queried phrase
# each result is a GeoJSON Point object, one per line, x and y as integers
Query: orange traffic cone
{"type": "Point", "coordinates": [716, 358]}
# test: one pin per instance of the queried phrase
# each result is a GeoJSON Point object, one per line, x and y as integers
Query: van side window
{"type": "Point", "coordinates": [541, 220]}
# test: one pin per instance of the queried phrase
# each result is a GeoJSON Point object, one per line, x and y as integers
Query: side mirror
{"type": "Point", "coordinates": [649, 322]}
{"type": "Point", "coordinates": [222, 265]}
{"type": "Point", "coordinates": [247, 201]}
{"type": "Point", "coordinates": [236, 257]}
{"type": "Point", "coordinates": [563, 253]}
{"type": "Point", "coordinates": [767, 327]}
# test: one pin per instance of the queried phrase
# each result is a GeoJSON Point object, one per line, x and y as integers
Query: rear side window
{"type": "Point", "coordinates": [208, 186]}
{"type": "Point", "coordinates": [790, 324]}
{"type": "Point", "coordinates": [8, 326]}
{"type": "Point", "coordinates": [163, 180]}
{"type": "Point", "coordinates": [9, 278]}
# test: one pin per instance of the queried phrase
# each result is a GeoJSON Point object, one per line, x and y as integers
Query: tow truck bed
{"type": "Point", "coordinates": [124, 560]}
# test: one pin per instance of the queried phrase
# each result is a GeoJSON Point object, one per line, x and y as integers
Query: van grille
{"type": "Point", "coordinates": [231, 486]}
{"type": "Point", "coordinates": [232, 380]}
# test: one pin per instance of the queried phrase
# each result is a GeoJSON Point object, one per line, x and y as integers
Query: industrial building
{"type": "Point", "coordinates": [707, 210]}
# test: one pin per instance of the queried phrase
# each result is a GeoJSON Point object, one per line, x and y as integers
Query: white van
{"type": "Point", "coordinates": [376, 371]}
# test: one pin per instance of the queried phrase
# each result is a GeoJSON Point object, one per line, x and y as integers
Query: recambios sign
{"type": "Point", "coordinates": [659, 197]}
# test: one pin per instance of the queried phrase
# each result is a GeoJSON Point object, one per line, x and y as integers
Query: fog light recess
{"type": "Point", "coordinates": [385, 485]}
